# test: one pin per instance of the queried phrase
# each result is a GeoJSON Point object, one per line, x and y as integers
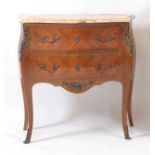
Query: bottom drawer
{"type": "Point", "coordinates": [73, 66]}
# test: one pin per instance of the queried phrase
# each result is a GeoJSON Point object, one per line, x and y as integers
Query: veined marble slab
{"type": "Point", "coordinates": [75, 18]}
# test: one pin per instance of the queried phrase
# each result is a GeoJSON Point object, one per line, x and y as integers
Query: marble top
{"type": "Point", "coordinates": [75, 18]}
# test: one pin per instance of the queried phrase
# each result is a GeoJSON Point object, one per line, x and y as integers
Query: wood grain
{"type": "Point", "coordinates": [77, 57]}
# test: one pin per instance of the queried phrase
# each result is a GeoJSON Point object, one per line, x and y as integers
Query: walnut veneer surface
{"type": "Point", "coordinates": [77, 52]}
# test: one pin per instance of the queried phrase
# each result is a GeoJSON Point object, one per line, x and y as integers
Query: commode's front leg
{"type": "Point", "coordinates": [25, 107]}
{"type": "Point", "coordinates": [125, 101]}
{"type": "Point", "coordinates": [28, 96]}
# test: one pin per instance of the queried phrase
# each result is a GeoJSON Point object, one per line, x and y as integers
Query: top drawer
{"type": "Point", "coordinates": [74, 36]}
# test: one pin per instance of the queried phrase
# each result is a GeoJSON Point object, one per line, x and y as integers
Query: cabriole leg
{"type": "Point", "coordinates": [28, 95]}
{"type": "Point", "coordinates": [125, 100]}
{"type": "Point", "coordinates": [130, 105]}
{"type": "Point", "coordinates": [25, 108]}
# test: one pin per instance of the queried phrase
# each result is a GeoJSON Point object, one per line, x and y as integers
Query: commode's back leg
{"type": "Point", "coordinates": [130, 105]}
{"type": "Point", "coordinates": [126, 91]}
{"type": "Point", "coordinates": [25, 108]}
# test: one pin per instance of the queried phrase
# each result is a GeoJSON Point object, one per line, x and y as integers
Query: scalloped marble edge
{"type": "Point", "coordinates": [76, 18]}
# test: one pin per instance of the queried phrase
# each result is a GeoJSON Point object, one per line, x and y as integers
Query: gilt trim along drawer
{"type": "Point", "coordinates": [77, 52]}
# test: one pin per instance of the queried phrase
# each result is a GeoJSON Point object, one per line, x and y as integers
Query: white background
{"type": "Point", "coordinates": [65, 123]}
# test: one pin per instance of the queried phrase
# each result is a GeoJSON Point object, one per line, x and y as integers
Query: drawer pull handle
{"type": "Point", "coordinates": [53, 39]}
{"type": "Point", "coordinates": [98, 66]}
{"type": "Point", "coordinates": [54, 67]}
{"type": "Point", "coordinates": [42, 66]}
{"type": "Point", "coordinates": [111, 66]}
{"type": "Point", "coordinates": [103, 39]}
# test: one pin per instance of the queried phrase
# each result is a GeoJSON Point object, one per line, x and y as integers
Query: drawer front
{"type": "Point", "coordinates": [75, 37]}
{"type": "Point", "coordinates": [74, 67]}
